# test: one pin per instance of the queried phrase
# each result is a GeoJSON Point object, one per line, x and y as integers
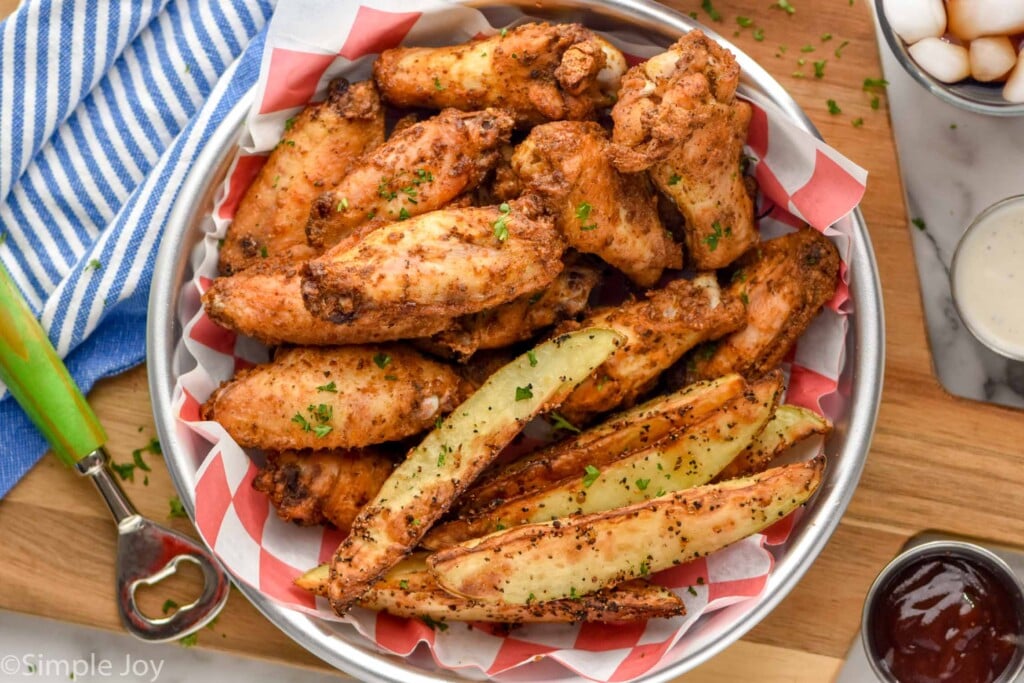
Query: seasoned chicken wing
{"type": "Point", "coordinates": [265, 302]}
{"type": "Point", "coordinates": [520, 318]}
{"type": "Point", "coordinates": [678, 117]}
{"type": "Point", "coordinates": [343, 397]}
{"type": "Point", "coordinates": [540, 72]}
{"type": "Point", "coordinates": [322, 487]}
{"type": "Point", "coordinates": [444, 264]}
{"type": "Point", "coordinates": [784, 282]}
{"type": "Point", "coordinates": [659, 330]}
{"type": "Point", "coordinates": [317, 150]}
{"type": "Point", "coordinates": [422, 167]}
{"type": "Point", "coordinates": [599, 210]}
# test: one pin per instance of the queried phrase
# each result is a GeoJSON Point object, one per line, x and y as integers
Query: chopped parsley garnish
{"type": "Point", "coordinates": [876, 102]}
{"type": "Point", "coordinates": [330, 387]}
{"type": "Point", "coordinates": [583, 214]}
{"type": "Point", "coordinates": [825, 37]}
{"type": "Point", "coordinates": [93, 265]}
{"type": "Point", "coordinates": [523, 393]}
{"type": "Point", "coordinates": [532, 357]}
{"type": "Point", "coordinates": [871, 84]}
{"type": "Point", "coordinates": [319, 417]}
{"type": "Point", "coordinates": [758, 34]}
{"type": "Point", "coordinates": [691, 591]}
{"type": "Point", "coordinates": [342, 205]}
{"type": "Point", "coordinates": [391, 378]}
{"type": "Point", "coordinates": [744, 22]}
{"type": "Point", "coordinates": [301, 421]}
{"type": "Point", "coordinates": [717, 234]}
{"type": "Point", "coordinates": [674, 179]}
{"type": "Point", "coordinates": [276, 178]}
{"type": "Point", "coordinates": [590, 475]}
{"type": "Point", "coordinates": [807, 48]}
{"type": "Point", "coordinates": [785, 6]}
{"type": "Point", "coordinates": [381, 359]}
{"type": "Point", "coordinates": [744, 298]}
{"type": "Point", "coordinates": [384, 191]}
{"type": "Point", "coordinates": [641, 484]}
{"type": "Point", "coordinates": [504, 32]}
{"type": "Point", "coordinates": [403, 214]}
{"type": "Point", "coordinates": [833, 108]}
{"type": "Point", "coordinates": [739, 276]}
{"type": "Point", "coordinates": [437, 84]}
{"type": "Point", "coordinates": [819, 68]}
{"type": "Point", "coordinates": [919, 223]}
{"type": "Point", "coordinates": [839, 50]}
{"type": "Point", "coordinates": [189, 641]}
{"type": "Point", "coordinates": [176, 509]}
{"type": "Point", "coordinates": [322, 430]}
{"type": "Point", "coordinates": [445, 450]}
{"type": "Point", "coordinates": [289, 123]}
{"type": "Point", "coordinates": [857, 122]}
{"type": "Point", "coordinates": [403, 584]}
{"type": "Point", "coordinates": [168, 606]}
{"type": "Point", "coordinates": [435, 625]}
{"type": "Point", "coordinates": [501, 225]}
{"type": "Point", "coordinates": [559, 422]}
{"type": "Point", "coordinates": [710, 9]}
{"type": "Point", "coordinates": [645, 568]}
{"type": "Point", "coordinates": [422, 176]}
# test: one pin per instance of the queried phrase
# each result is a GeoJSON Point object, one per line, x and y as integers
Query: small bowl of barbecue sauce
{"type": "Point", "coordinates": [945, 611]}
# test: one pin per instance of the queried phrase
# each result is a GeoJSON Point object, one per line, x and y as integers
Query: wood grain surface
{"type": "Point", "coordinates": [937, 462]}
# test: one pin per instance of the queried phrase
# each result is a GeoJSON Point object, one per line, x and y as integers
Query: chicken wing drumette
{"type": "Point", "coordinates": [317, 150]}
{"type": "Point", "coordinates": [442, 264]}
{"type": "Point", "coordinates": [540, 72]}
{"type": "Point", "coordinates": [784, 283]}
{"type": "Point", "coordinates": [599, 210]}
{"type": "Point", "coordinates": [422, 167]}
{"type": "Point", "coordinates": [678, 117]}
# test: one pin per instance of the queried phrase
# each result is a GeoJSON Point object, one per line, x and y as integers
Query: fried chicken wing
{"type": "Point", "coordinates": [342, 397]}
{"type": "Point", "coordinates": [678, 117]}
{"type": "Point", "coordinates": [322, 487]}
{"type": "Point", "coordinates": [520, 318]}
{"type": "Point", "coordinates": [541, 72]}
{"type": "Point", "coordinates": [659, 329]}
{"type": "Point", "coordinates": [422, 167]}
{"type": "Point", "coordinates": [785, 282]}
{"type": "Point", "coordinates": [265, 302]}
{"type": "Point", "coordinates": [599, 210]}
{"type": "Point", "coordinates": [446, 264]}
{"type": "Point", "coordinates": [317, 150]}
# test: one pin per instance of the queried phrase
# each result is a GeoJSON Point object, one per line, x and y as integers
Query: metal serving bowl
{"type": "Point", "coordinates": [971, 95]}
{"type": "Point", "coordinates": [853, 409]}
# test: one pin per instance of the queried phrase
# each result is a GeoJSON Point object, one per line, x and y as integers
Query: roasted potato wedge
{"type": "Point", "coordinates": [789, 426]}
{"type": "Point", "coordinates": [680, 461]}
{"type": "Point", "coordinates": [434, 473]}
{"type": "Point", "coordinates": [580, 555]}
{"type": "Point", "coordinates": [409, 590]}
{"type": "Point", "coordinates": [635, 428]}
{"type": "Point", "coordinates": [336, 397]}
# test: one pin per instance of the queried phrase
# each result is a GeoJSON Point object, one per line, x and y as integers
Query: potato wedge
{"type": "Point", "coordinates": [410, 590]}
{"type": "Point", "coordinates": [789, 426]}
{"type": "Point", "coordinates": [581, 555]}
{"type": "Point", "coordinates": [680, 461]}
{"type": "Point", "coordinates": [434, 473]}
{"type": "Point", "coordinates": [626, 431]}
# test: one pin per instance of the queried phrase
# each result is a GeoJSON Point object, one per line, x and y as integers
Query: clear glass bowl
{"type": "Point", "coordinates": [969, 94]}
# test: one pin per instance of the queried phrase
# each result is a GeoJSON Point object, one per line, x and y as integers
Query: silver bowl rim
{"type": "Point", "coordinates": [823, 513]}
{"type": "Point", "coordinates": [970, 322]}
{"type": "Point", "coordinates": [951, 93]}
{"type": "Point", "coordinates": [964, 549]}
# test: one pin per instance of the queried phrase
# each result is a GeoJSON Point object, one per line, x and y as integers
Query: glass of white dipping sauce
{"type": "Point", "coordinates": [988, 277]}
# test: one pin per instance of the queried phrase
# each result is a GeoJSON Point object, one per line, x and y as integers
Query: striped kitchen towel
{"type": "Point", "coordinates": [103, 106]}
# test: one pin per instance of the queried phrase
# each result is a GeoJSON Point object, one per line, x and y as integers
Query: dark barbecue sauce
{"type": "Point", "coordinates": [944, 619]}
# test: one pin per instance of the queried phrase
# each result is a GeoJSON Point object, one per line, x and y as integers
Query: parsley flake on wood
{"type": "Point", "coordinates": [819, 68]}
{"type": "Point", "coordinates": [744, 22]}
{"type": "Point", "coordinates": [168, 606]}
{"type": "Point", "coordinates": [189, 640]}
{"type": "Point", "coordinates": [857, 122]}
{"type": "Point", "coordinates": [876, 102]}
{"type": "Point", "coordinates": [839, 50]}
{"type": "Point", "coordinates": [807, 48]}
{"type": "Point", "coordinates": [523, 393]}
{"type": "Point", "coordinates": [785, 6]}
{"type": "Point", "coordinates": [833, 108]}
{"type": "Point", "coordinates": [872, 84]}
{"type": "Point", "coordinates": [710, 9]}
{"type": "Point", "coordinates": [590, 475]}
{"type": "Point", "coordinates": [177, 510]}
{"type": "Point", "coordinates": [759, 34]}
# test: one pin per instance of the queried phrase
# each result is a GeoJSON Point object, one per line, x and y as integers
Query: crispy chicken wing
{"type": "Point", "coordinates": [541, 72]}
{"type": "Point", "coordinates": [659, 329]}
{"type": "Point", "coordinates": [317, 150]}
{"type": "Point", "coordinates": [785, 282]}
{"type": "Point", "coordinates": [599, 210]}
{"type": "Point", "coordinates": [265, 302]}
{"type": "Point", "coordinates": [444, 264]}
{"type": "Point", "coordinates": [678, 117]}
{"type": "Point", "coordinates": [322, 487]}
{"type": "Point", "coordinates": [520, 318]}
{"type": "Point", "coordinates": [422, 167]}
{"type": "Point", "coordinates": [343, 397]}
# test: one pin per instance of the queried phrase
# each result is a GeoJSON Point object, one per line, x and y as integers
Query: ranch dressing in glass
{"type": "Point", "coordinates": [988, 277]}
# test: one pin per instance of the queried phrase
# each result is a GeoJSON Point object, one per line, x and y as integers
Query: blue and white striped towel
{"type": "Point", "coordinates": [103, 107]}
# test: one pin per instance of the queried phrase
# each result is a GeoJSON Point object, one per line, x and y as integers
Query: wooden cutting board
{"type": "Point", "coordinates": [936, 462]}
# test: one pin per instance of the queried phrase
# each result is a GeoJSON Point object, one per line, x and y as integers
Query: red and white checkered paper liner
{"type": "Point", "coordinates": [800, 179]}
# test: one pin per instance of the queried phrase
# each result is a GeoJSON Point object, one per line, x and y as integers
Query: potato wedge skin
{"type": "Point", "coordinates": [434, 473]}
{"type": "Point", "coordinates": [681, 460]}
{"type": "Point", "coordinates": [790, 425]}
{"type": "Point", "coordinates": [635, 428]}
{"type": "Point", "coordinates": [334, 397]}
{"type": "Point", "coordinates": [410, 590]}
{"type": "Point", "coordinates": [580, 555]}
